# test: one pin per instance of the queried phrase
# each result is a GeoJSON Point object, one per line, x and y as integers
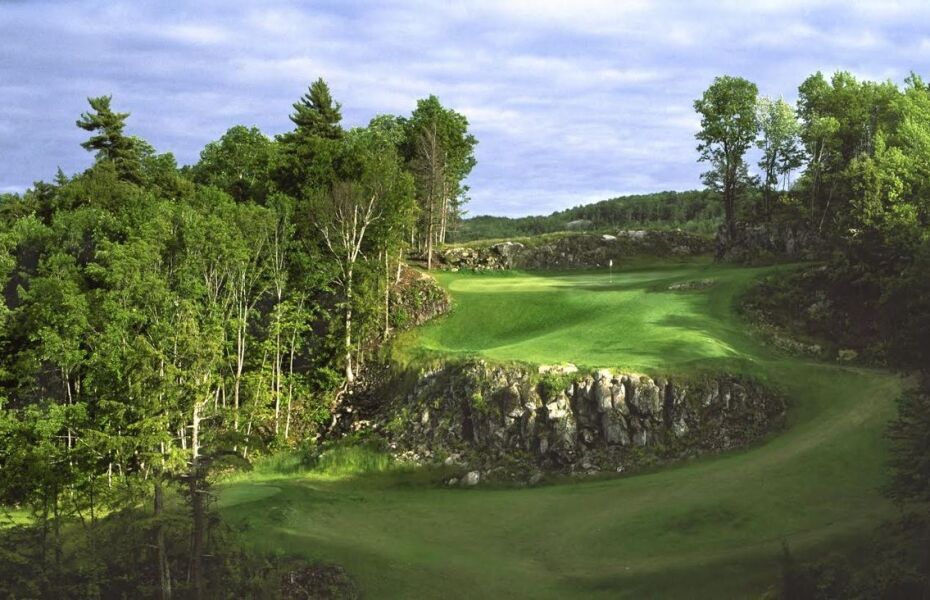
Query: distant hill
{"type": "Point", "coordinates": [697, 211]}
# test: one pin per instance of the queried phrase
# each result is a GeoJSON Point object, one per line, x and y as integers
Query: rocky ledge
{"type": "Point", "coordinates": [514, 423]}
{"type": "Point", "coordinates": [574, 251]}
{"type": "Point", "coordinates": [764, 242]}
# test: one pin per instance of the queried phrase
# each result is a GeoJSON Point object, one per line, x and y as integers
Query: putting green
{"type": "Point", "coordinates": [708, 528]}
{"type": "Point", "coordinates": [628, 319]}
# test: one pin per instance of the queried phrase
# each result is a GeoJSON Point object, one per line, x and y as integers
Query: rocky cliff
{"type": "Point", "coordinates": [511, 422]}
{"type": "Point", "coordinates": [753, 243]}
{"type": "Point", "coordinates": [574, 251]}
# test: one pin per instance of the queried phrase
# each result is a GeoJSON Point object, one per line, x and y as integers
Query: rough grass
{"type": "Point", "coordinates": [709, 528]}
{"type": "Point", "coordinates": [337, 462]}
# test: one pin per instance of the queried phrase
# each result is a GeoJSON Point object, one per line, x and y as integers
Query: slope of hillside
{"type": "Point", "coordinates": [698, 211]}
{"type": "Point", "coordinates": [708, 528]}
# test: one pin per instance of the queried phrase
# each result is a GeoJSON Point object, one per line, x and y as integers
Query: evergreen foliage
{"type": "Point", "coordinates": [109, 142]}
{"type": "Point", "coordinates": [317, 114]}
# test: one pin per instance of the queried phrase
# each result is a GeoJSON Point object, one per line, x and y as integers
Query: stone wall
{"type": "Point", "coordinates": [509, 422]}
{"type": "Point", "coordinates": [574, 251]}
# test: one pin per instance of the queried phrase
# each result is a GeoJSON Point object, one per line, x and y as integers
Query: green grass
{"type": "Point", "coordinates": [10, 517]}
{"type": "Point", "coordinates": [707, 528]}
{"type": "Point", "coordinates": [630, 320]}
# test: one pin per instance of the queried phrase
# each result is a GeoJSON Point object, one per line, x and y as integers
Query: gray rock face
{"type": "Point", "coordinates": [485, 415]}
{"type": "Point", "coordinates": [760, 242]}
{"type": "Point", "coordinates": [417, 298]}
{"type": "Point", "coordinates": [574, 251]}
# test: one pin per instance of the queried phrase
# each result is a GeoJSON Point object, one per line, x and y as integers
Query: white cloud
{"type": "Point", "coordinates": [197, 34]}
{"type": "Point", "coordinates": [571, 101]}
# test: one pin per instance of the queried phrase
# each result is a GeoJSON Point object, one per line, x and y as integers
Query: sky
{"type": "Point", "coordinates": [571, 101]}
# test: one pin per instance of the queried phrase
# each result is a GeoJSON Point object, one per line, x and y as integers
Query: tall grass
{"type": "Point", "coordinates": [347, 461]}
{"type": "Point", "coordinates": [336, 462]}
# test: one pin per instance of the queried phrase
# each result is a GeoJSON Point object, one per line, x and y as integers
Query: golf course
{"type": "Point", "coordinates": [711, 527]}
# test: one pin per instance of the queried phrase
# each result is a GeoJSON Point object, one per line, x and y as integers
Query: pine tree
{"type": "Point", "coordinates": [317, 114]}
{"type": "Point", "coordinates": [109, 142]}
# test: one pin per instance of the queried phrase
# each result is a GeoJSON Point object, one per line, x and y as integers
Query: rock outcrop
{"type": "Point", "coordinates": [753, 243]}
{"type": "Point", "coordinates": [510, 422]}
{"type": "Point", "coordinates": [416, 298]}
{"type": "Point", "coordinates": [574, 251]}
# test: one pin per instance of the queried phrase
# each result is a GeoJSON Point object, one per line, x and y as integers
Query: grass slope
{"type": "Point", "coordinates": [709, 528]}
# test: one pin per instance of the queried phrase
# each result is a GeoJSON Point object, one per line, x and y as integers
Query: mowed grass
{"type": "Point", "coordinates": [710, 528]}
{"type": "Point", "coordinates": [630, 319]}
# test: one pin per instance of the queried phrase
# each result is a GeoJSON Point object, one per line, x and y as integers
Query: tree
{"type": "Point", "coordinates": [346, 211]}
{"type": "Point", "coordinates": [316, 114]}
{"type": "Point", "coordinates": [308, 157]}
{"type": "Point", "coordinates": [400, 210]}
{"type": "Point", "coordinates": [158, 324]}
{"type": "Point", "coordinates": [780, 145]}
{"type": "Point", "coordinates": [440, 153]}
{"type": "Point", "coordinates": [237, 163]}
{"type": "Point", "coordinates": [841, 122]}
{"type": "Point", "coordinates": [728, 128]}
{"type": "Point", "coordinates": [109, 142]}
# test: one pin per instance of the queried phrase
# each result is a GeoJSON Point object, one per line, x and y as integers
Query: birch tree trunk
{"type": "Point", "coordinates": [350, 375]}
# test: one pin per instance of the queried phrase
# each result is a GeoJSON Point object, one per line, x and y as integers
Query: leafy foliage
{"type": "Point", "coordinates": [164, 325]}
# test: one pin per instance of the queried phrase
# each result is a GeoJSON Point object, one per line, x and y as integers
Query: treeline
{"type": "Point", "coordinates": [862, 149]}
{"type": "Point", "coordinates": [160, 322]}
{"type": "Point", "coordinates": [696, 211]}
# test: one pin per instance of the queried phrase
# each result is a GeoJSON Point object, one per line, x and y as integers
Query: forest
{"type": "Point", "coordinates": [162, 323]}
{"type": "Point", "coordinates": [694, 211]}
{"type": "Point", "coordinates": [164, 326]}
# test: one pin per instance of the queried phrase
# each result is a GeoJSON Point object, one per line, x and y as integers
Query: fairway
{"type": "Point", "coordinates": [707, 528]}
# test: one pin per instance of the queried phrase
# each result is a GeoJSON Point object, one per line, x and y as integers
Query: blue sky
{"type": "Point", "coordinates": [572, 102]}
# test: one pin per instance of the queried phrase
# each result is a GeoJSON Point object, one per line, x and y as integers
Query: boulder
{"type": "Point", "coordinates": [847, 355]}
{"type": "Point", "coordinates": [647, 399]}
{"type": "Point", "coordinates": [471, 479]}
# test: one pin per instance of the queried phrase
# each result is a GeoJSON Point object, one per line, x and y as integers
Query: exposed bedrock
{"type": "Point", "coordinates": [574, 251]}
{"type": "Point", "coordinates": [512, 421]}
{"type": "Point", "coordinates": [763, 242]}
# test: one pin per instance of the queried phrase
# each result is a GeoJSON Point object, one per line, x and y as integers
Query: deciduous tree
{"type": "Point", "coordinates": [728, 129]}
